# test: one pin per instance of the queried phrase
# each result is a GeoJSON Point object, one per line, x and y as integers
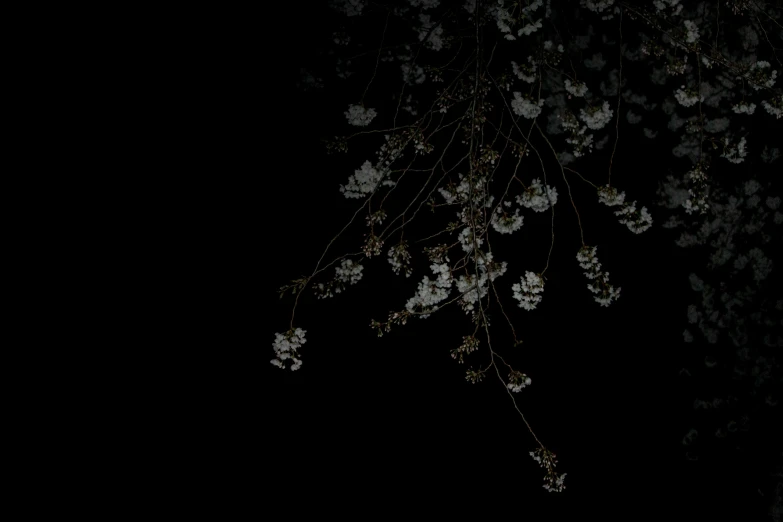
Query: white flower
{"type": "Point", "coordinates": [777, 112]}
{"type": "Point", "coordinates": [286, 346]}
{"type": "Point", "coordinates": [505, 223]}
{"type": "Point", "coordinates": [605, 293]}
{"type": "Point", "coordinates": [363, 181]}
{"type": "Point", "coordinates": [769, 82]}
{"type": "Point", "coordinates": [349, 272]}
{"type": "Point", "coordinates": [538, 198]}
{"type": "Point", "coordinates": [597, 6]}
{"type": "Point", "coordinates": [359, 116]}
{"type": "Point", "coordinates": [524, 107]}
{"type": "Point", "coordinates": [471, 289]}
{"type": "Point", "coordinates": [518, 382]}
{"type": "Point", "coordinates": [350, 7]}
{"type": "Point", "coordinates": [610, 197]}
{"type": "Point", "coordinates": [595, 117]}
{"type": "Point", "coordinates": [435, 41]}
{"type": "Point", "coordinates": [577, 89]}
{"type": "Point", "coordinates": [530, 28]}
{"type": "Point", "coordinates": [528, 291]}
{"type": "Point", "coordinates": [525, 72]}
{"type": "Point", "coordinates": [503, 17]}
{"type": "Point", "coordinates": [595, 62]}
{"type": "Point", "coordinates": [661, 5]}
{"type": "Point", "coordinates": [687, 98]}
{"type": "Point", "coordinates": [743, 107]}
{"type": "Point", "coordinates": [693, 31]}
{"type": "Point", "coordinates": [637, 222]}
{"type": "Point", "coordinates": [425, 4]}
{"type": "Point", "coordinates": [735, 153]}
{"type": "Point", "coordinates": [412, 75]}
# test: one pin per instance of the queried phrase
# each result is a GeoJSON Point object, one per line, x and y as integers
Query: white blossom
{"type": "Point", "coordinates": [637, 222]}
{"type": "Point", "coordinates": [359, 116]}
{"type": "Point", "coordinates": [605, 293]}
{"type": "Point", "coordinates": [286, 347]}
{"type": "Point", "coordinates": [518, 381]}
{"type": "Point", "coordinates": [524, 107]}
{"type": "Point", "coordinates": [577, 89]}
{"type": "Point", "coordinates": [525, 72]}
{"type": "Point", "coordinates": [687, 98]}
{"type": "Point", "coordinates": [537, 197]}
{"type": "Point", "coordinates": [744, 108]}
{"type": "Point", "coordinates": [425, 4]}
{"type": "Point", "coordinates": [349, 272]}
{"type": "Point", "coordinates": [350, 7]}
{"type": "Point", "coordinates": [777, 112]}
{"type": "Point", "coordinates": [610, 196]}
{"type": "Point", "coordinates": [530, 28]}
{"type": "Point", "coordinates": [693, 31]}
{"type": "Point", "coordinates": [528, 291]}
{"type": "Point", "coordinates": [735, 153]}
{"type": "Point", "coordinates": [363, 181]}
{"type": "Point", "coordinates": [595, 62]}
{"type": "Point", "coordinates": [413, 74]}
{"type": "Point", "coordinates": [596, 117]}
{"type": "Point", "coordinates": [435, 40]}
{"type": "Point", "coordinates": [506, 223]}
{"type": "Point", "coordinates": [431, 292]}
{"type": "Point", "coordinates": [598, 6]}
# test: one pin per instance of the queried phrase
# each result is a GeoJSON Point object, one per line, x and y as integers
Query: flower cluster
{"type": "Point", "coordinates": [636, 221]}
{"type": "Point", "coordinates": [525, 72]}
{"type": "Point", "coordinates": [744, 108]}
{"type": "Point", "coordinates": [760, 79]}
{"type": "Point", "coordinates": [605, 293]}
{"type": "Point", "coordinates": [774, 108]}
{"type": "Point", "coordinates": [431, 292]}
{"type": "Point", "coordinates": [435, 41]}
{"type": "Point", "coordinates": [528, 291]}
{"type": "Point", "coordinates": [525, 107]}
{"type": "Point", "coordinates": [359, 116]}
{"type": "Point", "coordinates": [597, 117]}
{"type": "Point", "coordinates": [400, 258]}
{"type": "Point", "coordinates": [517, 381]}
{"type": "Point", "coordinates": [425, 4]}
{"type": "Point", "coordinates": [286, 346]}
{"type": "Point", "coordinates": [363, 181]}
{"type": "Point", "coordinates": [577, 89]}
{"type": "Point", "coordinates": [505, 223]}
{"type": "Point", "coordinates": [350, 7]}
{"type": "Point", "coordinates": [610, 196]}
{"type": "Point", "coordinates": [348, 273]}
{"type": "Point", "coordinates": [687, 97]}
{"type": "Point", "coordinates": [735, 153]}
{"type": "Point", "coordinates": [473, 291]}
{"type": "Point", "coordinates": [537, 197]}
{"type": "Point", "coordinates": [469, 345]}
{"type": "Point", "coordinates": [548, 460]}
{"type": "Point", "coordinates": [692, 31]}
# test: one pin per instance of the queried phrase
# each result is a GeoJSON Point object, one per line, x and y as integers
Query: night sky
{"type": "Point", "coordinates": [370, 425]}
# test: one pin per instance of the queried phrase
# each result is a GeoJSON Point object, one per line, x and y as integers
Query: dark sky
{"type": "Point", "coordinates": [392, 423]}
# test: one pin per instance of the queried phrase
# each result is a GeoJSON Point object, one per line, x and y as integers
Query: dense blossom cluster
{"type": "Point", "coordinates": [605, 293]}
{"type": "Point", "coordinates": [528, 291]}
{"type": "Point", "coordinates": [538, 197]}
{"type": "Point", "coordinates": [287, 346]}
{"type": "Point", "coordinates": [363, 181]}
{"type": "Point", "coordinates": [359, 116]}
